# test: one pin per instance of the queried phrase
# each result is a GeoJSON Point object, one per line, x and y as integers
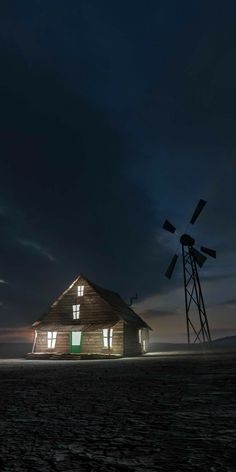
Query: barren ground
{"type": "Point", "coordinates": [173, 413]}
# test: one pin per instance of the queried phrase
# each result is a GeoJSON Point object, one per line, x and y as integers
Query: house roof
{"type": "Point", "coordinates": [100, 307]}
{"type": "Point", "coordinates": [116, 302]}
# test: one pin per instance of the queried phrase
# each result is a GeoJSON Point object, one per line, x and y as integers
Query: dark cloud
{"type": "Point", "coordinates": [231, 303]}
{"type": "Point", "coordinates": [38, 248]}
{"type": "Point", "coordinates": [215, 277]}
{"type": "Point", "coordinates": [113, 117]}
{"type": "Point", "coordinates": [65, 168]}
{"type": "Point", "coordinates": [157, 313]}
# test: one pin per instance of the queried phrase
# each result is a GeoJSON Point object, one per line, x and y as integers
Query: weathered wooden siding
{"type": "Point", "coordinates": [93, 308]}
{"type": "Point", "coordinates": [62, 342]}
{"type": "Point", "coordinates": [132, 347]}
{"type": "Point", "coordinates": [92, 342]}
{"type": "Point", "coordinates": [118, 338]}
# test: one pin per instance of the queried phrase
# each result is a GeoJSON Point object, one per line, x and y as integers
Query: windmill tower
{"type": "Point", "coordinates": [197, 323]}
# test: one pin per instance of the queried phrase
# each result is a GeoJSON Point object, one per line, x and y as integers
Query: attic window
{"type": "Point", "coordinates": [107, 338]}
{"type": "Point", "coordinates": [80, 291]}
{"type": "Point", "coordinates": [76, 312]}
{"type": "Point", "coordinates": [52, 336]}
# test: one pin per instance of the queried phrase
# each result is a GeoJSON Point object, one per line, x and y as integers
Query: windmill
{"type": "Point", "coordinates": [197, 324]}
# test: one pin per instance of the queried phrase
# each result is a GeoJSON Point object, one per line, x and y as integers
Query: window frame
{"type": "Point", "coordinates": [140, 336]}
{"type": "Point", "coordinates": [51, 339]}
{"type": "Point", "coordinates": [76, 311]}
{"type": "Point", "coordinates": [107, 336]}
{"type": "Point", "coordinates": [80, 290]}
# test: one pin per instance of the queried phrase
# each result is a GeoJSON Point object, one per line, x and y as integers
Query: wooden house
{"type": "Point", "coordinates": [90, 320]}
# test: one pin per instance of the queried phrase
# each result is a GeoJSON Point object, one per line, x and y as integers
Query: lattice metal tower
{"type": "Point", "coordinates": [196, 320]}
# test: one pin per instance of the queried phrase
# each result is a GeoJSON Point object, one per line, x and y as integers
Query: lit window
{"type": "Point", "coordinates": [107, 337]}
{"type": "Point", "coordinates": [76, 312]}
{"type": "Point", "coordinates": [80, 290]}
{"type": "Point", "coordinates": [140, 336]}
{"type": "Point", "coordinates": [52, 336]}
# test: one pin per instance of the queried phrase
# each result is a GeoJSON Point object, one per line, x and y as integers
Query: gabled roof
{"type": "Point", "coordinates": [102, 307]}
{"type": "Point", "coordinates": [116, 302]}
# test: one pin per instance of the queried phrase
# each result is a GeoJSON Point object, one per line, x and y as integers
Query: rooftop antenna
{"type": "Point", "coordinates": [134, 297]}
{"type": "Point", "coordinates": [197, 326]}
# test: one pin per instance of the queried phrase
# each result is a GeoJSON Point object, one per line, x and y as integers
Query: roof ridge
{"type": "Point", "coordinates": [100, 287]}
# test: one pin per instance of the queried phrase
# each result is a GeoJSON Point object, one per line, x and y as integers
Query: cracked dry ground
{"type": "Point", "coordinates": [146, 414]}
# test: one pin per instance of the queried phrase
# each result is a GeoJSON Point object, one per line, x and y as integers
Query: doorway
{"type": "Point", "coordinates": [75, 342]}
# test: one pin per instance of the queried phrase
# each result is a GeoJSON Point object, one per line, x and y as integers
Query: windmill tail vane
{"type": "Point", "coordinates": [196, 319]}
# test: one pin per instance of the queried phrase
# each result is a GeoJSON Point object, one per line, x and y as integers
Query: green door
{"type": "Point", "coordinates": [75, 342]}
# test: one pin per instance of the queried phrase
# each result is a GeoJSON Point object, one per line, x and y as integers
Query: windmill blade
{"type": "Point", "coordinates": [169, 227]}
{"type": "Point", "coordinates": [208, 251]}
{"type": "Point", "coordinates": [198, 256]}
{"type": "Point", "coordinates": [198, 210]}
{"type": "Point", "coordinates": [171, 267]}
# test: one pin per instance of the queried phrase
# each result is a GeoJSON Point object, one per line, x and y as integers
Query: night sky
{"type": "Point", "coordinates": [115, 116]}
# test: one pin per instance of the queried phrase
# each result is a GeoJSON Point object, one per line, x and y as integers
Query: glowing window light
{"type": "Point", "coordinates": [52, 336]}
{"type": "Point", "coordinates": [80, 290]}
{"type": "Point", "coordinates": [76, 312]}
{"type": "Point", "coordinates": [107, 338]}
{"type": "Point", "coordinates": [140, 336]}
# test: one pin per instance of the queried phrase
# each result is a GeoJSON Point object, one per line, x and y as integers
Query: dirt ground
{"type": "Point", "coordinates": [168, 413]}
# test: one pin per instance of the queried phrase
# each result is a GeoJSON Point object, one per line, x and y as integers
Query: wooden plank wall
{"type": "Point", "coordinates": [92, 342]}
{"type": "Point", "coordinates": [132, 347]}
{"type": "Point", "coordinates": [62, 342]}
{"type": "Point", "coordinates": [93, 308]}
